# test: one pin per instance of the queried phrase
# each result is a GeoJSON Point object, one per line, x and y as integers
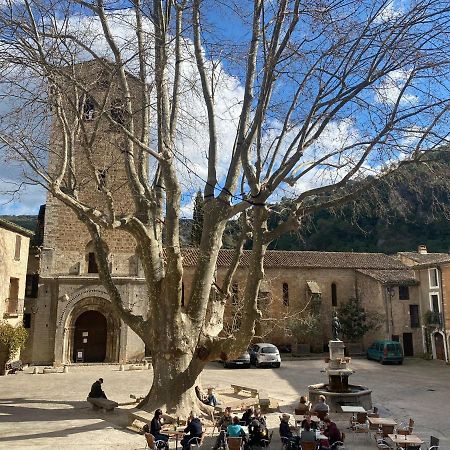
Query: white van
{"type": "Point", "coordinates": [265, 355]}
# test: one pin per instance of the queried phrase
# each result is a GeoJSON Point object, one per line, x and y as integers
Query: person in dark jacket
{"type": "Point", "coordinates": [222, 425]}
{"type": "Point", "coordinates": [257, 429]}
{"type": "Point", "coordinates": [194, 429]}
{"type": "Point", "coordinates": [286, 430]}
{"type": "Point", "coordinates": [247, 417]}
{"type": "Point", "coordinates": [331, 432]}
{"type": "Point", "coordinates": [308, 421]}
{"type": "Point", "coordinates": [96, 389]}
{"type": "Point", "coordinates": [155, 428]}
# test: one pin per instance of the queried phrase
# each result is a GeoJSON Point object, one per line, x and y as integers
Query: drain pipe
{"type": "Point", "coordinates": [443, 316]}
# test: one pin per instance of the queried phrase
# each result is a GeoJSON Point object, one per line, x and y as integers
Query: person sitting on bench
{"type": "Point", "coordinates": [96, 389]}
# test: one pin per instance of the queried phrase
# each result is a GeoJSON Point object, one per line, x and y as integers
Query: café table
{"type": "Point", "coordinates": [352, 409]}
{"type": "Point", "coordinates": [405, 439]}
{"type": "Point", "coordinates": [378, 421]}
{"type": "Point", "coordinates": [174, 434]}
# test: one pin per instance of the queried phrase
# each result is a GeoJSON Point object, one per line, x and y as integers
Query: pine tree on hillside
{"type": "Point", "coordinates": [197, 225]}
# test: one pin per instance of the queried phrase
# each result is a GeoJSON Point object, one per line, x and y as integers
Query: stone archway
{"type": "Point", "coordinates": [82, 318]}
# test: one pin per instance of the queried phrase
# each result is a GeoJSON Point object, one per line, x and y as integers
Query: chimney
{"type": "Point", "coordinates": [422, 249]}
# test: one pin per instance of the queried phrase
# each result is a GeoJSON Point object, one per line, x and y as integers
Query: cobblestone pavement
{"type": "Point", "coordinates": [50, 411]}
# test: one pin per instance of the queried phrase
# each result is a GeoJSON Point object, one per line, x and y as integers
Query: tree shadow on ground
{"type": "Point", "coordinates": [24, 412]}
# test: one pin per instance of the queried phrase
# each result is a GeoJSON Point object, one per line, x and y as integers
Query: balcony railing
{"type": "Point", "coordinates": [435, 318]}
{"type": "Point", "coordinates": [13, 307]}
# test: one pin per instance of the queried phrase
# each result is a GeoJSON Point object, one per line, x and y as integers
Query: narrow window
{"type": "Point", "coordinates": [414, 316]}
{"type": "Point", "coordinates": [234, 294]}
{"type": "Point", "coordinates": [434, 278]}
{"type": "Point", "coordinates": [434, 300]}
{"type": "Point", "coordinates": [333, 294]}
{"type": "Point", "coordinates": [182, 294]}
{"type": "Point", "coordinates": [18, 247]}
{"type": "Point", "coordinates": [88, 109]}
{"type": "Point", "coordinates": [403, 292]}
{"type": "Point", "coordinates": [117, 112]}
{"type": "Point", "coordinates": [92, 263]}
{"type": "Point", "coordinates": [27, 320]}
{"type": "Point", "coordinates": [285, 294]}
{"type": "Point", "coordinates": [32, 285]}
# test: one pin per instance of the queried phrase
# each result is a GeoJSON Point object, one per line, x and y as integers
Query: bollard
{"type": "Point", "coordinates": [121, 368]}
{"type": "Point", "coordinates": [65, 369]}
{"type": "Point", "coordinates": [35, 370]}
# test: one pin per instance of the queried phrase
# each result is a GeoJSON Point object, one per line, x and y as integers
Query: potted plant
{"type": "Point", "coordinates": [12, 339]}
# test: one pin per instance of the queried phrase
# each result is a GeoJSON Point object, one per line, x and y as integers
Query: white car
{"type": "Point", "coordinates": [265, 355]}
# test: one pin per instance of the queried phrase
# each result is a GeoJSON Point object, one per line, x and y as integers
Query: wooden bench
{"type": "Point", "coordinates": [102, 403]}
{"type": "Point", "coordinates": [252, 391]}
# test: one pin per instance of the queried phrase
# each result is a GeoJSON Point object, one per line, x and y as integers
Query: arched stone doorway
{"type": "Point", "coordinates": [89, 342]}
{"type": "Point", "coordinates": [94, 316]}
{"type": "Point", "coordinates": [439, 346]}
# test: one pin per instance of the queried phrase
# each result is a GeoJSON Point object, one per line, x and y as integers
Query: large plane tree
{"type": "Point", "coordinates": [251, 101]}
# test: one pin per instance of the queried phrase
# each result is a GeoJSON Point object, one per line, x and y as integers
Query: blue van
{"type": "Point", "coordinates": [386, 351]}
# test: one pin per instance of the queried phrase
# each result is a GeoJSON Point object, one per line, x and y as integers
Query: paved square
{"type": "Point", "coordinates": [50, 411]}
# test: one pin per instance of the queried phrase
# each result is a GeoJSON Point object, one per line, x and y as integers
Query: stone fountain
{"type": "Point", "coordinates": [338, 391]}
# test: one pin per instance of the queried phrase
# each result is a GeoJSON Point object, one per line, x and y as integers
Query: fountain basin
{"type": "Point", "coordinates": [355, 395]}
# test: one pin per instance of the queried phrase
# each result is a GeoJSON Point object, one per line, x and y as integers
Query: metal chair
{"type": "Point", "coordinates": [382, 444]}
{"type": "Point", "coordinates": [196, 441]}
{"type": "Point", "coordinates": [406, 428]}
{"type": "Point", "coordinates": [266, 442]}
{"type": "Point", "coordinates": [285, 443]}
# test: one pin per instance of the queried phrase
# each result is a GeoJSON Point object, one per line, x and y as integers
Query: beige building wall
{"type": "Point", "coordinates": [14, 244]}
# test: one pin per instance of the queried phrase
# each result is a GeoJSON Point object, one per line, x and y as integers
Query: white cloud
{"type": "Point", "coordinates": [391, 11]}
{"type": "Point", "coordinates": [390, 89]}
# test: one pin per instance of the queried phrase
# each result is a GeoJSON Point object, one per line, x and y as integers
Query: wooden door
{"type": "Point", "coordinates": [90, 337]}
{"type": "Point", "coordinates": [439, 346]}
{"type": "Point", "coordinates": [408, 348]}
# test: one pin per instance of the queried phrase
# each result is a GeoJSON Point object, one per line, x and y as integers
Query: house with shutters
{"type": "Point", "coordinates": [432, 270]}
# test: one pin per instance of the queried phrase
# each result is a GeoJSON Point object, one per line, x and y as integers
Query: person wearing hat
{"type": "Point", "coordinates": [286, 430]}
{"type": "Point", "coordinates": [96, 389]}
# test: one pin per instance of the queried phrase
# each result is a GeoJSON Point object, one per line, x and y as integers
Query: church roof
{"type": "Point", "coordinates": [391, 277]}
{"type": "Point", "coordinates": [426, 258]}
{"type": "Point", "coordinates": [304, 259]}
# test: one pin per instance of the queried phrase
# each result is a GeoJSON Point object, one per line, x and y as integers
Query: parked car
{"type": "Point", "coordinates": [386, 351]}
{"type": "Point", "coordinates": [242, 361]}
{"type": "Point", "coordinates": [263, 354]}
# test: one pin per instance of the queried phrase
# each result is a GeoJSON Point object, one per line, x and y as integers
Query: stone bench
{"type": "Point", "coordinates": [252, 391]}
{"type": "Point", "coordinates": [264, 401]}
{"type": "Point", "coordinates": [139, 414]}
{"type": "Point", "coordinates": [102, 403]}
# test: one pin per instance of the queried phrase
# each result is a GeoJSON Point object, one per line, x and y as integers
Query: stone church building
{"type": "Point", "coordinates": [70, 314]}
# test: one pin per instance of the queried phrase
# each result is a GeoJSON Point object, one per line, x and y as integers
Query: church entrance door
{"type": "Point", "coordinates": [89, 344]}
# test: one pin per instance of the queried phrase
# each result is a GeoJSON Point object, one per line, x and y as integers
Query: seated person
{"type": "Point", "coordinates": [303, 405]}
{"type": "Point", "coordinates": [321, 408]}
{"type": "Point", "coordinates": [96, 389]}
{"type": "Point", "coordinates": [257, 428]}
{"type": "Point", "coordinates": [331, 432]}
{"type": "Point", "coordinates": [211, 398]}
{"type": "Point", "coordinates": [286, 430]}
{"type": "Point", "coordinates": [247, 417]}
{"type": "Point", "coordinates": [307, 421]}
{"type": "Point", "coordinates": [155, 428]}
{"type": "Point", "coordinates": [307, 435]}
{"type": "Point", "coordinates": [235, 429]}
{"type": "Point", "coordinates": [222, 425]}
{"type": "Point", "coordinates": [194, 429]}
{"type": "Point", "coordinates": [200, 394]}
